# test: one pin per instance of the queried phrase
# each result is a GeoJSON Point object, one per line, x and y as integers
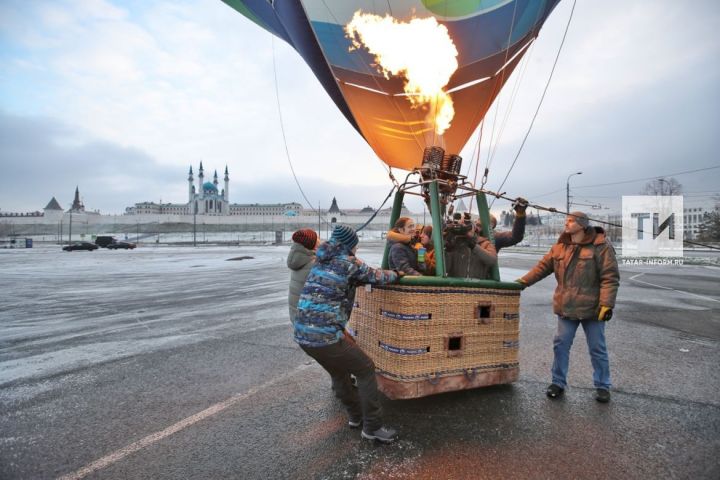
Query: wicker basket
{"type": "Point", "coordinates": [432, 339]}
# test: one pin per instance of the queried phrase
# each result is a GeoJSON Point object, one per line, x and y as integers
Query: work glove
{"type": "Point", "coordinates": [520, 205]}
{"type": "Point", "coordinates": [605, 314]}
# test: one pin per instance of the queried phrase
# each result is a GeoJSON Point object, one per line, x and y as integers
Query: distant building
{"type": "Point", "coordinates": [206, 199]}
{"type": "Point", "coordinates": [693, 217]}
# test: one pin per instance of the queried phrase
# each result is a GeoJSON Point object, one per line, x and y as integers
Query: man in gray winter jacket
{"type": "Point", "coordinates": [300, 260]}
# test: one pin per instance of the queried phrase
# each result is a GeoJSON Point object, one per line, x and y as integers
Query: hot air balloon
{"type": "Point", "coordinates": [415, 78]}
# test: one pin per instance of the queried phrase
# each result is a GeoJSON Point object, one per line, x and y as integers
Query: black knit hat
{"type": "Point", "coordinates": [345, 235]}
{"type": "Point", "coordinates": [305, 237]}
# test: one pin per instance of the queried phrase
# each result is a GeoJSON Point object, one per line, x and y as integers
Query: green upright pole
{"type": "Point", "coordinates": [437, 229]}
{"type": "Point", "coordinates": [397, 208]}
{"type": "Point", "coordinates": [487, 232]}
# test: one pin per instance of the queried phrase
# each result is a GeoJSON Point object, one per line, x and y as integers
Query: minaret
{"type": "Point", "coordinates": [201, 177]}
{"type": "Point", "coordinates": [215, 180]}
{"type": "Point", "coordinates": [190, 185]}
{"type": "Point", "coordinates": [227, 185]}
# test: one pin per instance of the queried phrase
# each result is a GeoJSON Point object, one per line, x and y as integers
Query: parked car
{"type": "Point", "coordinates": [104, 240]}
{"type": "Point", "coordinates": [125, 245]}
{"type": "Point", "coordinates": [80, 246]}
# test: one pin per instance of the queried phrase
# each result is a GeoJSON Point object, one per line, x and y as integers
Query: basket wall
{"type": "Point", "coordinates": [415, 333]}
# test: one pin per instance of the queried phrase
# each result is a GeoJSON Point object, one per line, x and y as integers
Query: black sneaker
{"type": "Point", "coordinates": [382, 434]}
{"type": "Point", "coordinates": [602, 395]}
{"type": "Point", "coordinates": [355, 422]}
{"type": "Point", "coordinates": [554, 391]}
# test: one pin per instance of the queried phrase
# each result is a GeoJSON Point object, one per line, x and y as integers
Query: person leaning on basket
{"type": "Point", "coordinates": [587, 282]}
{"type": "Point", "coordinates": [323, 311]}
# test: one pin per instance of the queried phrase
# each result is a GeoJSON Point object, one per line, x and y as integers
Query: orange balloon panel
{"type": "Point", "coordinates": [399, 132]}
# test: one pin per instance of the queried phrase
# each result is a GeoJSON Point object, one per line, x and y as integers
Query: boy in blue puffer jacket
{"type": "Point", "coordinates": [322, 313]}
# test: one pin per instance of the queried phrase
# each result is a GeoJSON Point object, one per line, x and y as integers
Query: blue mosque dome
{"type": "Point", "coordinates": [209, 187]}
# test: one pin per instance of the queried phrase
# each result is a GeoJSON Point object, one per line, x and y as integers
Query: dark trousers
{"type": "Point", "coordinates": [340, 360]}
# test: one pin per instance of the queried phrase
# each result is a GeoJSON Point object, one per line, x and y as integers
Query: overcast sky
{"type": "Point", "coordinates": [120, 98]}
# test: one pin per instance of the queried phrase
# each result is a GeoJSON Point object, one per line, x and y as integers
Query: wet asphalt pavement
{"type": "Point", "coordinates": [176, 363]}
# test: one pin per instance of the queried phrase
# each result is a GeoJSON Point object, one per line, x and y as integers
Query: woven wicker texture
{"type": "Point", "coordinates": [428, 332]}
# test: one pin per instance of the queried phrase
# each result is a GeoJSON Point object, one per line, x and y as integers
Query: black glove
{"type": "Point", "coordinates": [520, 205]}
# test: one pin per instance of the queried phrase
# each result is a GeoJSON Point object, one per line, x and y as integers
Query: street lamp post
{"type": "Point", "coordinates": [194, 224]}
{"type": "Point", "coordinates": [567, 196]}
{"type": "Point", "coordinates": [70, 229]}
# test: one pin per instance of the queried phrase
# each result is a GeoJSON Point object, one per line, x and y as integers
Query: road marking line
{"type": "Point", "coordinates": [633, 278]}
{"type": "Point", "coordinates": [157, 436]}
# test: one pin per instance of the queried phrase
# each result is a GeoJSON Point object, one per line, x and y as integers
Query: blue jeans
{"type": "Point", "coordinates": [595, 334]}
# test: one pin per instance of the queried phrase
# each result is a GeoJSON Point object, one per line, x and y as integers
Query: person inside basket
{"type": "Point", "coordinates": [467, 255]}
{"type": "Point", "coordinates": [300, 260]}
{"type": "Point", "coordinates": [402, 255]}
{"type": "Point", "coordinates": [587, 282]}
{"type": "Point", "coordinates": [508, 239]}
{"type": "Point", "coordinates": [426, 250]}
{"type": "Point", "coordinates": [322, 313]}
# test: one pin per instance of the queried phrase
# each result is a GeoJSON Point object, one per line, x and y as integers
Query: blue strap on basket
{"type": "Point", "coordinates": [402, 350]}
{"type": "Point", "coordinates": [405, 316]}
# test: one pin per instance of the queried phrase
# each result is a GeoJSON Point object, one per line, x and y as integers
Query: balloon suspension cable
{"type": "Point", "coordinates": [372, 217]}
{"type": "Point", "coordinates": [542, 97]}
{"type": "Point", "coordinates": [503, 196]}
{"type": "Point", "coordinates": [282, 130]}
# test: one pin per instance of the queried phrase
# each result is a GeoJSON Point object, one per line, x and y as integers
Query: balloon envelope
{"type": "Point", "coordinates": [491, 37]}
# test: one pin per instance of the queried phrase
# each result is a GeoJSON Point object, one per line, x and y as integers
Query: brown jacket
{"type": "Point", "coordinates": [586, 272]}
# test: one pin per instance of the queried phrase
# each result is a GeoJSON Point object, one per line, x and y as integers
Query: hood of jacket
{"type": "Point", "coordinates": [594, 235]}
{"type": "Point", "coordinates": [299, 256]}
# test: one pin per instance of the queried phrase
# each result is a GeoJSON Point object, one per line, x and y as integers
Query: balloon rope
{"type": "Point", "coordinates": [282, 129]}
{"type": "Point", "coordinates": [537, 110]}
{"type": "Point", "coordinates": [287, 153]}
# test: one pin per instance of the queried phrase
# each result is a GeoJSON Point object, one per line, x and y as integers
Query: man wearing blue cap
{"type": "Point", "coordinates": [322, 313]}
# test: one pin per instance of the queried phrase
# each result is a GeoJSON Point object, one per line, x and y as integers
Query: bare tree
{"type": "Point", "coordinates": [710, 228]}
{"type": "Point", "coordinates": [662, 186]}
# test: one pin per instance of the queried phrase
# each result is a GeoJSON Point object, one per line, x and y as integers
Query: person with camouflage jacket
{"type": "Point", "coordinates": [587, 277]}
{"type": "Point", "coordinates": [323, 311]}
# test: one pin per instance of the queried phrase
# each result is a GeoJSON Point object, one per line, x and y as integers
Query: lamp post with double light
{"type": "Point", "coordinates": [567, 195]}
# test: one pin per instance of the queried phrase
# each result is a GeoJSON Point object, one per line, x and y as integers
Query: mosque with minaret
{"type": "Point", "coordinates": [205, 198]}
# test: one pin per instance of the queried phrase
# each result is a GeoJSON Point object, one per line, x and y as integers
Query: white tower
{"type": "Point", "coordinates": [190, 185]}
{"type": "Point", "coordinates": [226, 192]}
{"type": "Point", "coordinates": [201, 177]}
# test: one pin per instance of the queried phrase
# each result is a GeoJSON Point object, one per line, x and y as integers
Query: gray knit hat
{"type": "Point", "coordinates": [581, 218]}
{"type": "Point", "coordinates": [346, 235]}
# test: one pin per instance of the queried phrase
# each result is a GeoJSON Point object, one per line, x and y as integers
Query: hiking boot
{"type": "Point", "coordinates": [382, 434]}
{"type": "Point", "coordinates": [355, 422]}
{"type": "Point", "coordinates": [602, 395]}
{"type": "Point", "coordinates": [554, 391]}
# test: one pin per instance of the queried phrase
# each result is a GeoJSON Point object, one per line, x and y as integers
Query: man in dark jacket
{"type": "Point", "coordinates": [587, 277]}
{"type": "Point", "coordinates": [513, 237]}
{"type": "Point", "coordinates": [323, 311]}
